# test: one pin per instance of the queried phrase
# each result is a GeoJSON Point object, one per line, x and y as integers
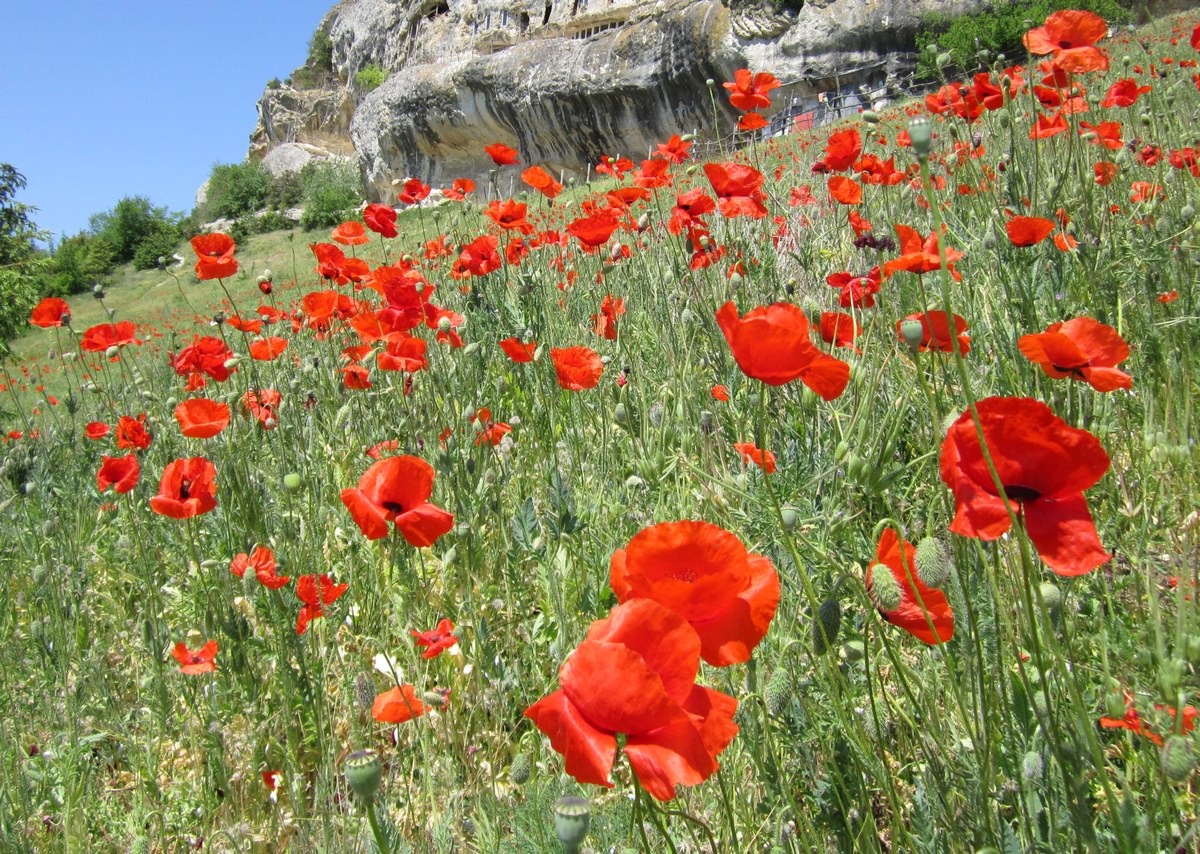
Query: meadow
{"type": "Point", "coordinates": [838, 493]}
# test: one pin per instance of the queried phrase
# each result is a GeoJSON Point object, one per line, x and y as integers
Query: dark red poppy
{"type": "Point", "coordinates": [315, 591]}
{"type": "Point", "coordinates": [738, 189]}
{"type": "Point", "coordinates": [381, 219]}
{"type": "Point", "coordinates": [193, 663]}
{"type": "Point", "coordinates": [936, 333]}
{"type": "Point", "coordinates": [577, 368]}
{"type": "Point", "coordinates": [501, 154]}
{"type": "Point", "coordinates": [1082, 349]}
{"type": "Point", "coordinates": [50, 312]}
{"type": "Point", "coordinates": [1028, 230]}
{"type": "Point", "coordinates": [635, 674]}
{"type": "Point", "coordinates": [703, 573]}
{"type": "Point", "coordinates": [437, 640]}
{"type": "Point", "coordinates": [215, 256]}
{"type": "Point", "coordinates": [923, 612]}
{"type": "Point", "coordinates": [188, 488]}
{"type": "Point", "coordinates": [518, 351]}
{"type": "Point", "coordinates": [751, 91]}
{"type": "Point", "coordinates": [121, 473]}
{"type": "Point", "coordinates": [397, 705]}
{"type": "Point", "coordinates": [132, 432]}
{"type": "Point", "coordinates": [772, 344]}
{"type": "Point", "coordinates": [396, 490]}
{"type": "Point", "coordinates": [1044, 465]}
{"type": "Point", "coordinates": [201, 418]}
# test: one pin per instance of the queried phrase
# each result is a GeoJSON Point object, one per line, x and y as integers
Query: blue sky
{"type": "Point", "coordinates": [106, 100]}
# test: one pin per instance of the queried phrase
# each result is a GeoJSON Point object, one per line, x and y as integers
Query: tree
{"type": "Point", "coordinates": [20, 259]}
{"type": "Point", "coordinates": [131, 222]}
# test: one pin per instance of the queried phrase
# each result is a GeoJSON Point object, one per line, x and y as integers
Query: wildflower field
{"type": "Point", "coordinates": [838, 493]}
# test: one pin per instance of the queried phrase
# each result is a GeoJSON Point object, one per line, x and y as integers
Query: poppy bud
{"type": "Point", "coordinates": [520, 769]}
{"type": "Point", "coordinates": [112, 352]}
{"type": "Point", "coordinates": [291, 482]}
{"type": "Point", "coordinates": [933, 564]}
{"type": "Point", "coordinates": [1033, 766]}
{"type": "Point", "coordinates": [827, 625]}
{"type": "Point", "coordinates": [778, 693]}
{"type": "Point", "coordinates": [444, 324]}
{"type": "Point", "coordinates": [572, 816]}
{"type": "Point", "coordinates": [789, 517]}
{"type": "Point", "coordinates": [1178, 758]}
{"type": "Point", "coordinates": [913, 332]}
{"type": "Point", "coordinates": [854, 650]}
{"type": "Point", "coordinates": [364, 772]}
{"type": "Point", "coordinates": [885, 590]}
{"type": "Point", "coordinates": [870, 117]}
{"type": "Point", "coordinates": [1114, 705]}
{"type": "Point", "coordinates": [1170, 677]}
{"type": "Point", "coordinates": [1051, 596]}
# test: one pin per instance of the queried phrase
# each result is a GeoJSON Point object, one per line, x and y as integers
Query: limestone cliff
{"type": "Point", "coordinates": [567, 81]}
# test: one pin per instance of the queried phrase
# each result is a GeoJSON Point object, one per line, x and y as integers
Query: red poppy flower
{"type": "Point", "coordinates": [1047, 126]}
{"type": "Point", "coordinates": [437, 640]}
{"type": "Point", "coordinates": [479, 257]}
{"type": "Point", "coordinates": [215, 256]}
{"type": "Point", "coordinates": [351, 233]}
{"type": "Point", "coordinates": [501, 154]}
{"type": "Point", "coordinates": [267, 349]}
{"type": "Point", "coordinates": [509, 214]}
{"type": "Point", "coordinates": [841, 151]}
{"type": "Point", "coordinates": [839, 329]}
{"type": "Point", "coordinates": [542, 181]}
{"type": "Point", "coordinates": [1133, 721]}
{"type": "Point", "coordinates": [1169, 296]}
{"type": "Point", "coordinates": [752, 121]}
{"type": "Point", "coordinates": [1071, 36]}
{"type": "Point", "coordinates": [750, 91]}
{"type": "Point", "coordinates": [655, 172]}
{"type": "Point", "coordinates": [414, 191]}
{"type": "Point", "coordinates": [1082, 349]}
{"type": "Point", "coordinates": [720, 392]}
{"type": "Point", "coordinates": [398, 705]}
{"type": "Point", "coordinates": [132, 432]}
{"type": "Point", "coordinates": [923, 612]}
{"type": "Point", "coordinates": [1044, 465]}
{"type": "Point", "coordinates": [242, 325]}
{"type": "Point", "coordinates": [1124, 93]}
{"type": "Point", "coordinates": [121, 473]}
{"type": "Point", "coordinates": [396, 490]}
{"type": "Point", "coordinates": [703, 573]}
{"type": "Point", "coordinates": [577, 368]}
{"type": "Point", "coordinates": [594, 230]}
{"type": "Point", "coordinates": [200, 661]}
{"type": "Point", "coordinates": [857, 291]}
{"type": "Point", "coordinates": [381, 219]}
{"type": "Point", "coordinates": [207, 356]}
{"type": "Point", "coordinates": [51, 311]}
{"type": "Point", "coordinates": [487, 430]}
{"type": "Point", "coordinates": [844, 190]}
{"type": "Point", "coordinates": [96, 430]}
{"type": "Point", "coordinates": [751, 453]}
{"type": "Point", "coordinates": [404, 352]}
{"type": "Point", "coordinates": [921, 255]}
{"type": "Point", "coordinates": [1105, 172]}
{"type": "Point", "coordinates": [936, 334]}
{"type": "Point", "coordinates": [772, 344]}
{"type": "Point", "coordinates": [738, 188]}
{"type": "Point", "coordinates": [518, 351]}
{"type": "Point", "coordinates": [201, 418]}
{"type": "Point", "coordinates": [98, 338]}
{"type": "Point", "coordinates": [674, 149]}
{"type": "Point", "coordinates": [604, 324]}
{"type": "Point", "coordinates": [262, 561]}
{"type": "Point", "coordinates": [315, 592]}
{"type": "Point", "coordinates": [635, 674]}
{"type": "Point", "coordinates": [1028, 230]}
{"type": "Point", "coordinates": [188, 488]}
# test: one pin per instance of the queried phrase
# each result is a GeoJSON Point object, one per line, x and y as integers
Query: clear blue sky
{"type": "Point", "coordinates": [102, 100]}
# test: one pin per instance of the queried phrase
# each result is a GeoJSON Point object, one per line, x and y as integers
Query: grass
{"type": "Point", "coordinates": [855, 736]}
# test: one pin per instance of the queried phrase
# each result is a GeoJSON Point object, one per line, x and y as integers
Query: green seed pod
{"type": "Point", "coordinates": [854, 650]}
{"type": "Point", "coordinates": [885, 589]}
{"type": "Point", "coordinates": [292, 482]}
{"type": "Point", "coordinates": [1051, 595]}
{"type": "Point", "coordinates": [933, 562]}
{"type": "Point", "coordinates": [520, 769]}
{"type": "Point", "coordinates": [913, 333]}
{"type": "Point", "coordinates": [364, 772]}
{"type": "Point", "coordinates": [572, 817]}
{"type": "Point", "coordinates": [1114, 705]}
{"type": "Point", "coordinates": [779, 692]}
{"type": "Point", "coordinates": [920, 132]}
{"type": "Point", "coordinates": [870, 117]}
{"type": "Point", "coordinates": [826, 626]}
{"type": "Point", "coordinates": [1178, 758]}
{"type": "Point", "coordinates": [789, 518]}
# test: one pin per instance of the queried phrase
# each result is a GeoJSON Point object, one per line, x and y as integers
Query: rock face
{"type": "Point", "coordinates": [567, 81]}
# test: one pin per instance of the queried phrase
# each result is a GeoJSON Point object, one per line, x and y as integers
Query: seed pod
{"type": "Point", "coordinates": [572, 817]}
{"type": "Point", "coordinates": [364, 772]}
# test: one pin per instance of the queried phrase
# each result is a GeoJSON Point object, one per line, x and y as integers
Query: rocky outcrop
{"type": "Point", "coordinates": [567, 81]}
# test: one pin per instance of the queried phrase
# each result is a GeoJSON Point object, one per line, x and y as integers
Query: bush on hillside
{"type": "Point", "coordinates": [332, 193]}
{"type": "Point", "coordinates": [235, 189]}
{"type": "Point", "coordinates": [132, 221]}
{"type": "Point", "coordinates": [370, 77]}
{"type": "Point", "coordinates": [161, 245]}
{"type": "Point", "coordinates": [999, 29]}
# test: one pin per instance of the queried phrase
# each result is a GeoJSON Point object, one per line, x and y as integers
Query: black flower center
{"type": "Point", "coordinates": [1021, 494]}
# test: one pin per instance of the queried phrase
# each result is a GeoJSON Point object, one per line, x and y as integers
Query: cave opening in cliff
{"type": "Point", "coordinates": [546, 17]}
{"type": "Point", "coordinates": [523, 22]}
{"type": "Point", "coordinates": [437, 10]}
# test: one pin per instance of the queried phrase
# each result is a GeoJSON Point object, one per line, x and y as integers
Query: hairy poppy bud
{"type": "Point", "coordinates": [920, 132]}
{"type": "Point", "coordinates": [933, 563]}
{"type": "Point", "coordinates": [826, 626]}
{"type": "Point", "coordinates": [1114, 705]}
{"type": "Point", "coordinates": [778, 693]}
{"type": "Point", "coordinates": [364, 772]}
{"type": "Point", "coordinates": [885, 590]}
{"type": "Point", "coordinates": [520, 769]}
{"type": "Point", "coordinates": [854, 650]}
{"type": "Point", "coordinates": [1178, 758]}
{"type": "Point", "coordinates": [789, 517]}
{"type": "Point", "coordinates": [572, 817]}
{"type": "Point", "coordinates": [870, 117]}
{"type": "Point", "coordinates": [1033, 766]}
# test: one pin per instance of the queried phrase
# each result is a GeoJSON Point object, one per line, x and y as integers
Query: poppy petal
{"type": "Point", "coordinates": [587, 751]}
{"type": "Point", "coordinates": [1064, 534]}
{"type": "Point", "coordinates": [422, 525]}
{"type": "Point", "coordinates": [730, 636]}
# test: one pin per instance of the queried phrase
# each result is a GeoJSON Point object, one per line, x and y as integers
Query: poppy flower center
{"type": "Point", "coordinates": [393, 507]}
{"type": "Point", "coordinates": [185, 487]}
{"type": "Point", "coordinates": [1022, 494]}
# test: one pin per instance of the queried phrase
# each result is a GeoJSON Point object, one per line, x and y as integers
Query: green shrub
{"type": "Point", "coordinates": [235, 189]}
{"type": "Point", "coordinates": [163, 245]}
{"type": "Point", "coordinates": [132, 221]}
{"type": "Point", "coordinates": [370, 77]}
{"type": "Point", "coordinates": [999, 29]}
{"type": "Point", "coordinates": [286, 191]}
{"type": "Point", "coordinates": [332, 192]}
